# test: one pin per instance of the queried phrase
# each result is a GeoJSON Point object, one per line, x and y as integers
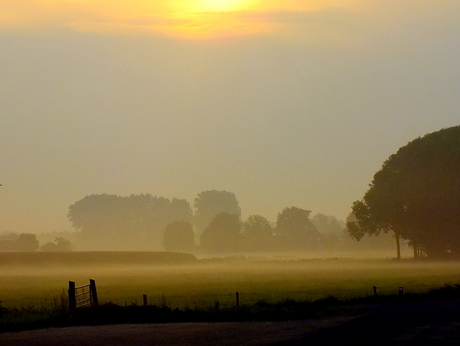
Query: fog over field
{"type": "Point", "coordinates": [201, 283]}
{"type": "Point", "coordinates": [283, 104]}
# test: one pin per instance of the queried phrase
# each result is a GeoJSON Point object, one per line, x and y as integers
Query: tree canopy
{"type": "Point", "coordinates": [295, 230]}
{"type": "Point", "coordinates": [150, 223]}
{"type": "Point", "coordinates": [59, 245]}
{"type": "Point", "coordinates": [212, 202]}
{"type": "Point", "coordinates": [26, 242]}
{"type": "Point", "coordinates": [416, 195]}
{"type": "Point", "coordinates": [125, 223]}
{"type": "Point", "coordinates": [179, 236]}
{"type": "Point", "coordinates": [223, 234]}
{"type": "Point", "coordinates": [257, 233]}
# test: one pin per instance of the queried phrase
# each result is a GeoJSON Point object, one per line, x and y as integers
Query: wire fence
{"type": "Point", "coordinates": [86, 296]}
{"type": "Point", "coordinates": [237, 298]}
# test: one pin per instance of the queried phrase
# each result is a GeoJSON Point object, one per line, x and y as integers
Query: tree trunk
{"type": "Point", "coordinates": [398, 246]}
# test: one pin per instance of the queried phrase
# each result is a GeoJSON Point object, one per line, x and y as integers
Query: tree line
{"type": "Point", "coordinates": [214, 225]}
{"type": "Point", "coordinates": [27, 242]}
{"type": "Point", "coordinates": [415, 196]}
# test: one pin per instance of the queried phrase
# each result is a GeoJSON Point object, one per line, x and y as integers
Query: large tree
{"type": "Point", "coordinates": [210, 203]}
{"type": "Point", "coordinates": [416, 195]}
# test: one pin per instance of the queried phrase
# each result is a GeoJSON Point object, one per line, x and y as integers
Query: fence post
{"type": "Point", "coordinates": [375, 290]}
{"type": "Point", "coordinates": [93, 293]}
{"type": "Point", "coordinates": [401, 291]}
{"type": "Point", "coordinates": [144, 297]}
{"type": "Point", "coordinates": [72, 297]}
{"type": "Point", "coordinates": [237, 299]}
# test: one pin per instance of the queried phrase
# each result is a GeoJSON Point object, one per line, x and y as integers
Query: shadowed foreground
{"type": "Point", "coordinates": [429, 322]}
{"type": "Point", "coordinates": [222, 333]}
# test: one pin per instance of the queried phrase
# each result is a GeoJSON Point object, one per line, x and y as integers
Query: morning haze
{"type": "Point", "coordinates": [282, 106]}
{"type": "Point", "coordinates": [279, 162]}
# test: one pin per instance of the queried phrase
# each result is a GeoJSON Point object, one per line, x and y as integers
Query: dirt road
{"type": "Point", "coordinates": [434, 322]}
{"type": "Point", "coordinates": [228, 334]}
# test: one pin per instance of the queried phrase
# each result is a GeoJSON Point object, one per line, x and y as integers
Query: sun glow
{"type": "Point", "coordinates": [197, 6]}
{"type": "Point", "coordinates": [201, 19]}
{"type": "Point", "coordinates": [186, 19]}
{"type": "Point", "coordinates": [222, 5]}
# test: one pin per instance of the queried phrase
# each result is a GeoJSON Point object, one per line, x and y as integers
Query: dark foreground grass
{"type": "Point", "coordinates": [57, 315]}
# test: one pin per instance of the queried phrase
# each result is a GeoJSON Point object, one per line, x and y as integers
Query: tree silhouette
{"type": "Point", "coordinates": [137, 222]}
{"type": "Point", "coordinates": [60, 245]}
{"type": "Point", "coordinates": [223, 234]}
{"type": "Point", "coordinates": [26, 243]}
{"type": "Point", "coordinates": [257, 233]}
{"type": "Point", "coordinates": [210, 203]}
{"type": "Point", "coordinates": [295, 230]}
{"type": "Point", "coordinates": [416, 195]}
{"type": "Point", "coordinates": [330, 228]}
{"type": "Point", "coordinates": [179, 236]}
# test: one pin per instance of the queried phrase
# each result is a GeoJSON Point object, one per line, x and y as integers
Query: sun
{"type": "Point", "coordinates": [197, 6]}
{"type": "Point", "coordinates": [220, 5]}
{"type": "Point", "coordinates": [203, 19]}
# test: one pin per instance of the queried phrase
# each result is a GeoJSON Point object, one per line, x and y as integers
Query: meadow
{"type": "Point", "coordinates": [197, 283]}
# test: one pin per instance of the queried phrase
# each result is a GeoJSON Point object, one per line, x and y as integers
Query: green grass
{"type": "Point", "coordinates": [203, 283]}
{"type": "Point", "coordinates": [33, 293]}
{"type": "Point", "coordinates": [14, 319]}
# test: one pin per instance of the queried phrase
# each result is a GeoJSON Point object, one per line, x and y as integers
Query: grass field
{"type": "Point", "coordinates": [201, 283]}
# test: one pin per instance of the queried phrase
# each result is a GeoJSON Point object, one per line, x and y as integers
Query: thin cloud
{"type": "Point", "coordinates": [327, 21]}
{"type": "Point", "coordinates": [147, 16]}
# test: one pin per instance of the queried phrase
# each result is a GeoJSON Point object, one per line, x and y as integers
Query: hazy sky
{"type": "Point", "coordinates": [294, 103]}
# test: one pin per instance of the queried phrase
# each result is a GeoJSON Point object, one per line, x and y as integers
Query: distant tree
{"type": "Point", "coordinates": [63, 244]}
{"type": "Point", "coordinates": [27, 243]}
{"type": "Point", "coordinates": [416, 195]}
{"type": "Point", "coordinates": [149, 215]}
{"type": "Point", "coordinates": [179, 236]}
{"type": "Point", "coordinates": [223, 234]}
{"type": "Point", "coordinates": [60, 245]}
{"type": "Point", "coordinates": [137, 222]}
{"type": "Point", "coordinates": [51, 237]}
{"type": "Point", "coordinates": [295, 231]}
{"type": "Point", "coordinates": [330, 228]}
{"type": "Point", "coordinates": [8, 241]}
{"type": "Point", "coordinates": [48, 247]}
{"type": "Point", "coordinates": [210, 203]}
{"type": "Point", "coordinates": [257, 233]}
{"type": "Point", "coordinates": [327, 223]}
{"type": "Point", "coordinates": [101, 222]}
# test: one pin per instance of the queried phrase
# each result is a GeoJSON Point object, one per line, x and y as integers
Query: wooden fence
{"type": "Point", "coordinates": [82, 296]}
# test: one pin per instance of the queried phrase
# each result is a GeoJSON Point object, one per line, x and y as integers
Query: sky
{"type": "Point", "coordinates": [284, 103]}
